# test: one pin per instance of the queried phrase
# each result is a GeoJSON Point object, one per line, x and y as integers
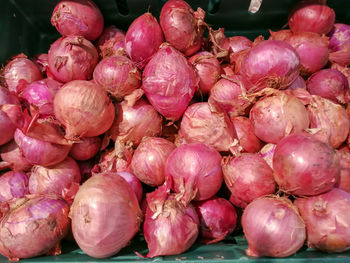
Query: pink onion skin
{"type": "Point", "coordinates": [84, 109]}
{"type": "Point", "coordinates": [312, 50]}
{"type": "Point", "coordinates": [42, 61]}
{"type": "Point", "coordinates": [143, 39]}
{"type": "Point", "coordinates": [13, 185]}
{"type": "Point", "coordinates": [86, 148]}
{"type": "Point", "coordinates": [134, 183]}
{"type": "Point", "coordinates": [49, 215]}
{"type": "Point", "coordinates": [266, 152]}
{"type": "Point", "coordinates": [202, 125]}
{"type": "Point", "coordinates": [239, 43]}
{"type": "Point", "coordinates": [311, 16]}
{"type": "Point", "coordinates": [78, 17]}
{"type": "Point", "coordinates": [330, 84]}
{"type": "Point", "coordinates": [218, 218]}
{"type": "Point", "coordinates": [98, 235]}
{"type": "Point", "coordinates": [303, 165]}
{"type": "Point", "coordinates": [12, 155]}
{"type": "Point", "coordinates": [118, 75]}
{"type": "Point", "coordinates": [72, 58]}
{"type": "Point", "coordinates": [282, 112]}
{"type": "Point", "coordinates": [327, 221]}
{"type": "Point", "coordinates": [169, 82]}
{"type": "Point", "coordinates": [203, 180]}
{"type": "Point", "coordinates": [237, 59]}
{"type": "Point", "coordinates": [19, 72]}
{"type": "Point", "coordinates": [329, 121]}
{"type": "Point", "coordinates": [180, 25]}
{"type": "Point", "coordinates": [344, 157]}
{"type": "Point", "coordinates": [270, 64]}
{"type": "Point", "coordinates": [111, 162]}
{"type": "Point", "coordinates": [282, 236]}
{"type": "Point", "coordinates": [227, 70]}
{"type": "Point", "coordinates": [248, 177]}
{"type": "Point", "coordinates": [339, 44]}
{"type": "Point", "coordinates": [149, 159]}
{"type": "Point", "coordinates": [208, 69]}
{"type": "Point", "coordinates": [281, 34]}
{"type": "Point", "coordinates": [111, 42]}
{"type": "Point", "coordinates": [245, 134]}
{"type": "Point", "coordinates": [299, 83]}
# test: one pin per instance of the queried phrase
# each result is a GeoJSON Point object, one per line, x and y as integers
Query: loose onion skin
{"type": "Point", "coordinates": [273, 228]}
{"type": "Point", "coordinates": [339, 44]}
{"type": "Point", "coordinates": [281, 34]}
{"type": "Point", "coordinates": [13, 185]}
{"type": "Point", "coordinates": [303, 165]}
{"type": "Point", "coordinates": [111, 42]}
{"type": "Point", "coordinates": [344, 157]}
{"type": "Point", "coordinates": [266, 152]}
{"type": "Point", "coordinates": [78, 17]}
{"type": "Point", "coordinates": [97, 235]}
{"type": "Point", "coordinates": [13, 158]}
{"type": "Point", "coordinates": [37, 224]}
{"type": "Point", "coordinates": [110, 161]}
{"type": "Point", "coordinates": [86, 148]}
{"type": "Point", "coordinates": [327, 220]}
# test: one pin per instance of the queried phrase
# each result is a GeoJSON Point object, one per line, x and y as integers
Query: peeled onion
{"type": "Point", "coordinates": [86, 148]}
{"type": "Point", "coordinates": [13, 185]}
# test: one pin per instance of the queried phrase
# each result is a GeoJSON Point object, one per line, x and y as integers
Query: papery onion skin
{"type": "Point", "coordinates": [303, 165]}
{"type": "Point", "coordinates": [239, 43]}
{"type": "Point", "coordinates": [344, 157]}
{"type": "Point", "coordinates": [84, 109]}
{"type": "Point", "coordinates": [281, 34]}
{"type": "Point", "coordinates": [111, 42]}
{"type": "Point", "coordinates": [217, 217]}
{"type": "Point", "coordinates": [339, 44]}
{"type": "Point", "coordinates": [266, 152]}
{"type": "Point", "coordinates": [72, 58]}
{"type": "Point", "coordinates": [78, 17]}
{"type": "Point", "coordinates": [327, 220]}
{"type": "Point", "coordinates": [11, 154]}
{"type": "Point", "coordinates": [42, 61]}
{"type": "Point", "coordinates": [149, 160]}
{"type": "Point", "coordinates": [37, 224]}
{"type": "Point", "coordinates": [13, 185]}
{"type": "Point", "coordinates": [97, 235]}
{"type": "Point", "coordinates": [273, 228]}
{"type": "Point", "coordinates": [134, 183]}
{"type": "Point", "coordinates": [86, 148]}
{"type": "Point", "coordinates": [110, 161]}
{"type": "Point", "coordinates": [248, 177]}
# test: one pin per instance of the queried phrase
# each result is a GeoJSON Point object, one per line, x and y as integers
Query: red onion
{"type": "Point", "coordinates": [327, 220]}
{"type": "Point", "coordinates": [344, 157]}
{"type": "Point", "coordinates": [341, 56]}
{"type": "Point", "coordinates": [143, 39]}
{"type": "Point", "coordinates": [19, 72]}
{"type": "Point", "coordinates": [195, 169]}
{"type": "Point", "coordinates": [84, 109]}
{"type": "Point", "coordinates": [312, 50]}
{"type": "Point", "coordinates": [266, 152]}
{"type": "Point", "coordinates": [182, 26]}
{"type": "Point", "coordinates": [344, 70]}
{"type": "Point", "coordinates": [328, 121]}
{"type": "Point", "coordinates": [13, 185]}
{"type": "Point", "coordinates": [208, 69]}
{"type": "Point", "coordinates": [248, 177]}
{"type": "Point", "coordinates": [270, 64]}
{"type": "Point", "coordinates": [149, 160]}
{"type": "Point", "coordinates": [227, 70]}
{"type": "Point", "coordinates": [134, 183]}
{"type": "Point", "coordinates": [98, 235]}
{"type": "Point", "coordinates": [169, 82]}
{"type": "Point", "coordinates": [114, 162]}
{"type": "Point", "coordinates": [72, 58]}
{"type": "Point", "coordinates": [339, 43]}
{"type": "Point", "coordinates": [78, 17]}
{"type": "Point", "coordinates": [238, 59]}
{"type": "Point", "coordinates": [299, 83]}
{"type": "Point", "coordinates": [13, 157]}
{"type": "Point", "coordinates": [42, 61]}
{"type": "Point", "coordinates": [111, 42]}
{"type": "Point", "coordinates": [33, 226]}
{"type": "Point", "coordinates": [118, 75]}
{"type": "Point", "coordinates": [282, 112]}
{"type": "Point", "coordinates": [217, 217]}
{"type": "Point", "coordinates": [303, 165]}
{"type": "Point", "coordinates": [273, 227]}
{"type": "Point", "coordinates": [40, 152]}
{"type": "Point", "coordinates": [86, 148]}
{"type": "Point", "coordinates": [239, 43]}
{"type": "Point", "coordinates": [245, 134]}
{"type": "Point", "coordinates": [280, 35]}
{"type": "Point", "coordinates": [220, 44]}
{"type": "Point", "coordinates": [201, 123]}
{"type": "Point", "coordinates": [311, 16]}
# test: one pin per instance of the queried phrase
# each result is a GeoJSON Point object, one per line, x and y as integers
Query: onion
{"type": "Point", "coordinates": [169, 82]}
{"type": "Point", "coordinates": [248, 177]}
{"type": "Point", "coordinates": [327, 220]}
{"type": "Point", "coordinates": [182, 26]}
{"type": "Point", "coordinates": [143, 39]}
{"type": "Point", "coordinates": [227, 70]}
{"type": "Point", "coordinates": [312, 50]}
{"type": "Point", "coordinates": [85, 168]}
{"type": "Point", "coordinates": [208, 69]}
{"type": "Point", "coordinates": [273, 227]}
{"type": "Point", "coordinates": [303, 165]}
{"type": "Point", "coordinates": [13, 158]}
{"type": "Point", "coordinates": [118, 75]}
{"type": "Point", "coordinates": [33, 226]}
{"type": "Point", "coordinates": [339, 43]}
{"type": "Point", "coordinates": [344, 157]}
{"type": "Point", "coordinates": [134, 183]}
{"type": "Point", "coordinates": [40, 152]}
{"type": "Point", "coordinates": [266, 152]}
{"type": "Point", "coordinates": [195, 169]}
{"type": "Point", "coordinates": [217, 217]}
{"type": "Point", "coordinates": [19, 72]}
{"type": "Point", "coordinates": [282, 112]}
{"type": "Point", "coordinates": [238, 59]}
{"type": "Point", "coordinates": [344, 70]}
{"type": "Point", "coordinates": [72, 58]}
{"type": "Point", "coordinates": [114, 162]}
{"type": "Point", "coordinates": [42, 61]}
{"type": "Point", "coordinates": [13, 185]}
{"type": "Point", "coordinates": [299, 83]}
{"type": "Point", "coordinates": [98, 235]}
{"type": "Point", "coordinates": [245, 134]}
{"type": "Point", "coordinates": [149, 160]}
{"type": "Point", "coordinates": [280, 35]}
{"type": "Point", "coordinates": [270, 64]}
{"type": "Point", "coordinates": [84, 109]}
{"type": "Point", "coordinates": [201, 123]}
{"type": "Point", "coordinates": [111, 42]}
{"type": "Point", "coordinates": [328, 121]}
{"type": "Point", "coordinates": [78, 17]}
{"type": "Point", "coordinates": [239, 43]}
{"type": "Point", "coordinates": [86, 148]}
